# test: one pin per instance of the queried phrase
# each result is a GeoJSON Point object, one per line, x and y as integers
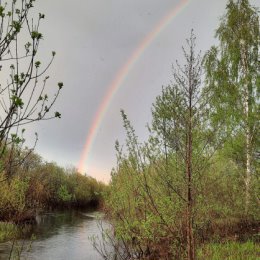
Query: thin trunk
{"type": "Point", "coordinates": [247, 127]}
{"type": "Point", "coordinates": [248, 155]}
{"type": "Point", "coordinates": [190, 236]}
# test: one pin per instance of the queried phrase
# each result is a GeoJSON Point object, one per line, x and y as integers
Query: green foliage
{"type": "Point", "coordinates": [36, 35]}
{"type": "Point", "coordinates": [140, 204]}
{"type": "Point", "coordinates": [229, 251]}
{"type": "Point", "coordinates": [63, 194]}
{"type": "Point", "coordinates": [147, 197]}
{"type": "Point", "coordinates": [234, 65]}
{"type": "Point", "coordinates": [25, 95]}
{"type": "Point", "coordinates": [7, 231]}
{"type": "Point", "coordinates": [38, 184]}
{"type": "Point", "coordinates": [13, 195]}
{"type": "Point", "coordinates": [232, 87]}
{"type": "Point", "coordinates": [57, 114]}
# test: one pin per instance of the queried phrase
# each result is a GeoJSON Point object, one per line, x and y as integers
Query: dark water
{"type": "Point", "coordinates": [58, 236]}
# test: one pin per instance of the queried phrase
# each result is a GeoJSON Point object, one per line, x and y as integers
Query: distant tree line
{"type": "Point", "coordinates": [38, 185]}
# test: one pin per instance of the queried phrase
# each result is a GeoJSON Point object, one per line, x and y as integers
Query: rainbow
{"type": "Point", "coordinates": [121, 76]}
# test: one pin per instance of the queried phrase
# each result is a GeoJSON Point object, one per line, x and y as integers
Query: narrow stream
{"type": "Point", "coordinates": [59, 236]}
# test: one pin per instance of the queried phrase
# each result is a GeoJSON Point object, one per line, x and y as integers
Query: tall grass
{"type": "Point", "coordinates": [230, 251]}
{"type": "Point", "coordinates": [7, 231]}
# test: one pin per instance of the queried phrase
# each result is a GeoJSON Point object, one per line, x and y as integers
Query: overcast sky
{"type": "Point", "coordinates": [93, 40]}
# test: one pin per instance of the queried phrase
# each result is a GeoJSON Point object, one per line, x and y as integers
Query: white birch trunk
{"type": "Point", "coordinates": [247, 128]}
{"type": "Point", "coordinates": [248, 155]}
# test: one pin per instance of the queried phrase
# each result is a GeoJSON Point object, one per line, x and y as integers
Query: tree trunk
{"type": "Point", "coordinates": [247, 127]}
{"type": "Point", "coordinates": [248, 153]}
{"type": "Point", "coordinates": [189, 224]}
{"type": "Point", "coordinates": [190, 236]}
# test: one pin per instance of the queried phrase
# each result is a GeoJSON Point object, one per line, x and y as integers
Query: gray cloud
{"type": "Point", "coordinates": [93, 39]}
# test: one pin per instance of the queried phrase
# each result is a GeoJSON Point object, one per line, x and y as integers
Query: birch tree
{"type": "Point", "coordinates": [233, 79]}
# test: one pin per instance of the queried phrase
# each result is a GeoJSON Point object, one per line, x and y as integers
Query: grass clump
{"type": "Point", "coordinates": [7, 231]}
{"type": "Point", "coordinates": [230, 251]}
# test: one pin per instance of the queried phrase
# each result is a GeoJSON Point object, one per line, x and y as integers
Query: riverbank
{"type": "Point", "coordinates": [235, 243]}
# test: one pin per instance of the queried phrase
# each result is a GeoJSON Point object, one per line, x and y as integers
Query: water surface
{"type": "Point", "coordinates": [59, 236]}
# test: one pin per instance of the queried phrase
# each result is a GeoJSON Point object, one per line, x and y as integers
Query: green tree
{"type": "Point", "coordinates": [63, 194]}
{"type": "Point", "coordinates": [24, 98]}
{"type": "Point", "coordinates": [233, 79]}
{"type": "Point", "coordinates": [180, 119]}
{"type": "Point", "coordinates": [155, 192]}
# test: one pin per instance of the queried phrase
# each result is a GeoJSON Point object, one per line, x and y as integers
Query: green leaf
{"type": "Point", "coordinates": [36, 35]}
{"type": "Point", "coordinates": [18, 102]}
{"type": "Point", "coordinates": [60, 85]}
{"type": "Point", "coordinates": [37, 64]}
{"type": "Point", "coordinates": [57, 114]}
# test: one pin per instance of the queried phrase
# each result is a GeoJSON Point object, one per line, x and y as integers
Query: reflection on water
{"type": "Point", "coordinates": [60, 235]}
